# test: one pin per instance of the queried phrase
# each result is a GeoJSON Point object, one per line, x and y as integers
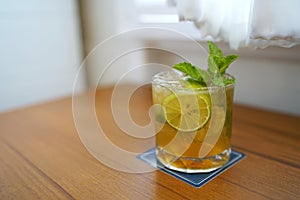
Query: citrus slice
{"type": "Point", "coordinates": [186, 111]}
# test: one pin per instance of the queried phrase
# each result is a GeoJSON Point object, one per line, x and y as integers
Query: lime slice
{"type": "Point", "coordinates": [186, 111]}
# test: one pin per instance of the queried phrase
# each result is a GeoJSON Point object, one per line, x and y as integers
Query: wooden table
{"type": "Point", "coordinates": [42, 157]}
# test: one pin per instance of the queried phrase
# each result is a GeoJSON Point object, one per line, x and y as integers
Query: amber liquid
{"type": "Point", "coordinates": [180, 150]}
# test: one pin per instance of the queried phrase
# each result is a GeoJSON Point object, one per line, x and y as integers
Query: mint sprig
{"type": "Point", "coordinates": [216, 60]}
{"type": "Point", "coordinates": [217, 66]}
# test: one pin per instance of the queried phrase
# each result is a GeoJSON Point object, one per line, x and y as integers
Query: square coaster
{"type": "Point", "coordinates": [195, 179]}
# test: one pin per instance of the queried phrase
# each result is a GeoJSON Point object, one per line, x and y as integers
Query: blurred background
{"type": "Point", "coordinates": [44, 42]}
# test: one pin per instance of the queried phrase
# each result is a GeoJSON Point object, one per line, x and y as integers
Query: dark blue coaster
{"type": "Point", "coordinates": [197, 179]}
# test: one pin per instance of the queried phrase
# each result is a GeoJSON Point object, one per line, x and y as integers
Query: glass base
{"type": "Point", "coordinates": [193, 165]}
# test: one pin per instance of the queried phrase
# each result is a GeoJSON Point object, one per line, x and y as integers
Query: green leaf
{"type": "Point", "coordinates": [188, 69]}
{"type": "Point", "coordinates": [213, 64]}
{"type": "Point", "coordinates": [227, 61]}
{"type": "Point", "coordinates": [214, 49]}
{"type": "Point", "coordinates": [192, 71]}
{"type": "Point", "coordinates": [218, 80]}
{"type": "Point", "coordinates": [228, 81]}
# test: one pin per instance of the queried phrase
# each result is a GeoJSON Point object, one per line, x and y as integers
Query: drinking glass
{"type": "Point", "coordinates": [193, 123]}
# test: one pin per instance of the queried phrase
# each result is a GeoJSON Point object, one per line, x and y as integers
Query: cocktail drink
{"type": "Point", "coordinates": [193, 117]}
{"type": "Point", "coordinates": [183, 120]}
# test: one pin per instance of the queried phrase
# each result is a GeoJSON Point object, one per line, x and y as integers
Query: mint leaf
{"type": "Point", "coordinates": [228, 81]}
{"type": "Point", "coordinates": [192, 71]}
{"type": "Point", "coordinates": [214, 49]}
{"type": "Point", "coordinates": [226, 62]}
{"type": "Point", "coordinates": [213, 64]}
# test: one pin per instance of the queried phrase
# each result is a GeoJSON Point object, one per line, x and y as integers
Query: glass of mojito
{"type": "Point", "coordinates": [193, 116]}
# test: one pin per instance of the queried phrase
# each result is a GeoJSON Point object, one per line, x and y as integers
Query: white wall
{"type": "Point", "coordinates": [40, 51]}
{"type": "Point", "coordinates": [269, 78]}
{"type": "Point", "coordinates": [102, 19]}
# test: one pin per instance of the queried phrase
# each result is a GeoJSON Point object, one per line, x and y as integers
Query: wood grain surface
{"type": "Point", "coordinates": [42, 156]}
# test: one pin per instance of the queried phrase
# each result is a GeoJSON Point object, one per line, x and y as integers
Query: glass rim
{"type": "Point", "coordinates": [173, 83]}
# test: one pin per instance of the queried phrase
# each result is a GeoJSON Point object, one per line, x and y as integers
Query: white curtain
{"type": "Point", "coordinates": [256, 23]}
